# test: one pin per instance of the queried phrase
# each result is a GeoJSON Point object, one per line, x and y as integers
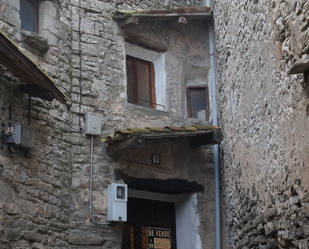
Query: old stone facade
{"type": "Point", "coordinates": [264, 115]}
{"type": "Point", "coordinates": [44, 197]}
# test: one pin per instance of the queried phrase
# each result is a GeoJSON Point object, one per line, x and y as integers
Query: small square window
{"type": "Point", "coordinates": [140, 82]}
{"type": "Point", "coordinates": [198, 103]}
{"type": "Point", "coordinates": [29, 15]}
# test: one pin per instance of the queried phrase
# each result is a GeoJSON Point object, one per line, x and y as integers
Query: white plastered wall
{"type": "Point", "coordinates": [158, 60]}
{"type": "Point", "coordinates": [187, 217]}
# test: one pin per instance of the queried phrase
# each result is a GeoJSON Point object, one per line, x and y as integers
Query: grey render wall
{"type": "Point", "coordinates": [44, 199]}
{"type": "Point", "coordinates": [264, 115]}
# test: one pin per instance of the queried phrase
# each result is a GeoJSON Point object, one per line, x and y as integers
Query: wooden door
{"type": "Point", "coordinates": [144, 214]}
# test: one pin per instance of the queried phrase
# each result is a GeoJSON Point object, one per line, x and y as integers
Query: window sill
{"type": "Point", "coordinates": [143, 110]}
{"type": "Point", "coordinates": [34, 41]}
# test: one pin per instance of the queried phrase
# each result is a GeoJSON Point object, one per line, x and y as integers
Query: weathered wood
{"type": "Point", "coordinates": [128, 144]}
{"type": "Point", "coordinates": [197, 138]}
{"type": "Point", "coordinates": [145, 42]}
{"type": "Point", "coordinates": [177, 134]}
{"type": "Point", "coordinates": [188, 16]}
{"type": "Point", "coordinates": [134, 80]}
{"type": "Point", "coordinates": [128, 22]}
{"type": "Point", "coordinates": [208, 139]}
{"type": "Point", "coordinates": [197, 12]}
{"type": "Point", "coordinates": [218, 137]}
{"type": "Point", "coordinates": [167, 186]}
{"type": "Point", "coordinates": [25, 69]}
{"type": "Point", "coordinates": [36, 91]}
{"type": "Point", "coordinates": [177, 22]}
{"type": "Point", "coordinates": [152, 87]}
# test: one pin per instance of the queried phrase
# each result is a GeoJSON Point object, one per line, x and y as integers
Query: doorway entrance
{"type": "Point", "coordinates": [149, 215]}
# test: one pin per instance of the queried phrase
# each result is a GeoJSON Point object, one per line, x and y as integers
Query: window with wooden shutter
{"type": "Point", "coordinates": [29, 15]}
{"type": "Point", "coordinates": [141, 82]}
{"type": "Point", "coordinates": [198, 103]}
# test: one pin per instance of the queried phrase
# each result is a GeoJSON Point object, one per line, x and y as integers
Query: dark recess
{"type": "Point", "coordinates": [169, 186]}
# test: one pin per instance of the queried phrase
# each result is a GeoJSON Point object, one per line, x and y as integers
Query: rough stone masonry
{"type": "Point", "coordinates": [44, 198]}
{"type": "Point", "coordinates": [264, 115]}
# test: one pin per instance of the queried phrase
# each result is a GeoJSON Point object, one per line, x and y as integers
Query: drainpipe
{"type": "Point", "coordinates": [215, 122]}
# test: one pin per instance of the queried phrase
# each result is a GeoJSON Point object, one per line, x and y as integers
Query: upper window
{"type": "Point", "coordinates": [146, 79]}
{"type": "Point", "coordinates": [29, 15]}
{"type": "Point", "coordinates": [141, 82]}
{"type": "Point", "coordinates": [198, 103]}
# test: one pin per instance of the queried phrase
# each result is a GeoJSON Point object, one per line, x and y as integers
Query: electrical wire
{"type": "Point", "coordinates": [80, 73]}
{"type": "Point", "coordinates": [29, 110]}
{"type": "Point", "coordinates": [80, 126]}
{"type": "Point", "coordinates": [90, 192]}
{"type": "Point", "coordinates": [80, 69]}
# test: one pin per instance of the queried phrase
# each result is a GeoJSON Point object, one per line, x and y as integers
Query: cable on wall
{"type": "Point", "coordinates": [90, 191]}
{"type": "Point", "coordinates": [80, 69]}
{"type": "Point", "coordinates": [29, 110]}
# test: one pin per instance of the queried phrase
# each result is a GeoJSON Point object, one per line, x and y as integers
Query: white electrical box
{"type": "Point", "coordinates": [24, 135]}
{"type": "Point", "coordinates": [93, 123]}
{"type": "Point", "coordinates": [117, 202]}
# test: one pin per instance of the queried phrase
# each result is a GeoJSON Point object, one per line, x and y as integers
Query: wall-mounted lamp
{"type": "Point", "coordinates": [6, 137]}
{"type": "Point", "coordinates": [9, 140]}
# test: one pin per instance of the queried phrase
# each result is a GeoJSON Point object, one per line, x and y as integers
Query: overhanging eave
{"type": "Point", "coordinates": [130, 139]}
{"type": "Point", "coordinates": [26, 70]}
{"type": "Point", "coordinates": [127, 18]}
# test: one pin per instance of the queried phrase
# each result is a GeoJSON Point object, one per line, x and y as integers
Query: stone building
{"type": "Point", "coordinates": [145, 75]}
{"type": "Point", "coordinates": [65, 60]}
{"type": "Point", "coordinates": [262, 67]}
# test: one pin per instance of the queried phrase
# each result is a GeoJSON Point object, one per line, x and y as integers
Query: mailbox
{"type": "Point", "coordinates": [117, 202]}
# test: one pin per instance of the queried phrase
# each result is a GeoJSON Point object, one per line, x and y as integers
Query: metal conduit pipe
{"type": "Point", "coordinates": [211, 38]}
{"type": "Point", "coordinates": [90, 191]}
{"type": "Point", "coordinates": [80, 127]}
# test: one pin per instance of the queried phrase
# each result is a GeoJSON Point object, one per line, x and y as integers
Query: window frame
{"type": "Point", "coordinates": [36, 4]}
{"type": "Point", "coordinates": [189, 109]}
{"type": "Point", "coordinates": [135, 83]}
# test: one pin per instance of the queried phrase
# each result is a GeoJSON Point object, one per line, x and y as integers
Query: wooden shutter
{"type": "Point", "coordinates": [141, 82]}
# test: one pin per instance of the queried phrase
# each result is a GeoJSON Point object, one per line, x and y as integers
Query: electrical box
{"type": "Point", "coordinates": [93, 123]}
{"type": "Point", "coordinates": [24, 135]}
{"type": "Point", "coordinates": [117, 202]}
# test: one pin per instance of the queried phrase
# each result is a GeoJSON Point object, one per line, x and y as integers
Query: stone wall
{"type": "Point", "coordinates": [45, 197]}
{"type": "Point", "coordinates": [264, 115]}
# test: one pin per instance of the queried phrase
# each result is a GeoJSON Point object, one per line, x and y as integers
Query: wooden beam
{"type": "Point", "coordinates": [36, 91]}
{"type": "Point", "coordinates": [146, 42]}
{"type": "Point", "coordinates": [26, 69]}
{"type": "Point", "coordinates": [215, 137]}
{"type": "Point", "coordinates": [128, 22]}
{"type": "Point", "coordinates": [177, 22]}
{"type": "Point", "coordinates": [128, 144]}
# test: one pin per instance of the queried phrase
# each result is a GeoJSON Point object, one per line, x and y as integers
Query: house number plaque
{"type": "Point", "coordinates": [159, 238]}
{"type": "Point", "coordinates": [155, 158]}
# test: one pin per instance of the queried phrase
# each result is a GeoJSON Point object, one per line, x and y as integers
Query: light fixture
{"type": "Point", "coordinates": [21, 135]}
{"type": "Point", "coordinates": [9, 140]}
{"type": "Point", "coordinates": [7, 137]}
